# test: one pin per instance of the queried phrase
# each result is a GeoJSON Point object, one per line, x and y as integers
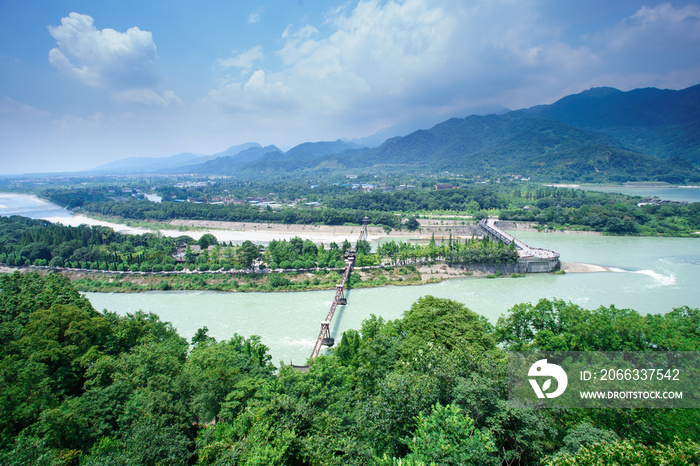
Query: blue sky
{"type": "Point", "coordinates": [83, 83]}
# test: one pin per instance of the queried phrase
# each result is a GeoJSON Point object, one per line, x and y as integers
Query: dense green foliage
{"type": "Point", "coordinates": [467, 199]}
{"type": "Point", "coordinates": [81, 387]}
{"type": "Point", "coordinates": [144, 209]}
{"type": "Point", "coordinates": [610, 213]}
{"type": "Point", "coordinates": [25, 241]}
{"type": "Point", "coordinates": [512, 200]}
{"type": "Point", "coordinates": [123, 388]}
{"type": "Point", "coordinates": [472, 251]}
{"type": "Point", "coordinates": [559, 326]}
{"type": "Point", "coordinates": [38, 242]}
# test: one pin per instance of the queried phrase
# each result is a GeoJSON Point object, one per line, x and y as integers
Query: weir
{"type": "Point", "coordinates": [529, 259]}
{"type": "Point", "coordinates": [324, 335]}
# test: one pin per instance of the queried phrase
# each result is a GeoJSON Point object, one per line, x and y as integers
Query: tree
{"type": "Point", "coordinates": [446, 323]}
{"type": "Point", "coordinates": [448, 437]}
{"type": "Point", "coordinates": [206, 240]}
{"type": "Point", "coordinates": [630, 452]}
{"type": "Point", "coordinates": [225, 374]}
{"type": "Point", "coordinates": [412, 224]}
{"type": "Point", "coordinates": [363, 247]}
{"type": "Point", "coordinates": [201, 337]}
{"type": "Point", "coordinates": [247, 253]}
{"type": "Point", "coordinates": [585, 434]}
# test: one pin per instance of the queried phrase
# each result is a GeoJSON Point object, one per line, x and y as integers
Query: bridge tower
{"type": "Point", "coordinates": [327, 339]}
{"type": "Point", "coordinates": [363, 232]}
{"type": "Point", "coordinates": [342, 300]}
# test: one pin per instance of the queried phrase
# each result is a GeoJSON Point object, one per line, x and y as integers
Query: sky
{"type": "Point", "coordinates": [85, 82]}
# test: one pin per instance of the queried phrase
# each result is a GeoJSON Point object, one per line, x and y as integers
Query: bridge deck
{"type": "Point", "coordinates": [325, 324]}
{"type": "Point", "coordinates": [524, 251]}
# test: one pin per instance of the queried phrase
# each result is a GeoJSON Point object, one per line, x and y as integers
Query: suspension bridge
{"type": "Point", "coordinates": [324, 335]}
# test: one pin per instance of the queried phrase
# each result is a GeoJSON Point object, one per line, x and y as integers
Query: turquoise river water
{"type": "Point", "coordinates": [650, 275]}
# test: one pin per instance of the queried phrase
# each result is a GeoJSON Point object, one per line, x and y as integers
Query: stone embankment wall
{"type": "Point", "coordinates": [522, 266]}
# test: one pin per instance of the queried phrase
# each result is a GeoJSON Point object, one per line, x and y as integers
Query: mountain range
{"type": "Point", "coordinates": [599, 135]}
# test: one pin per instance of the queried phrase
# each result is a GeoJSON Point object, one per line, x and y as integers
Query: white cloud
{"type": "Point", "coordinates": [245, 60]}
{"type": "Point", "coordinates": [123, 63]}
{"type": "Point", "coordinates": [655, 28]}
{"type": "Point", "coordinates": [394, 60]}
{"type": "Point", "coordinates": [256, 95]}
{"type": "Point", "coordinates": [103, 58]}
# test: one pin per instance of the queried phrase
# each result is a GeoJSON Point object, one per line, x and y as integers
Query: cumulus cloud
{"type": "Point", "coordinates": [121, 62]}
{"type": "Point", "coordinates": [405, 59]}
{"type": "Point", "coordinates": [377, 62]}
{"type": "Point", "coordinates": [663, 27]}
{"type": "Point", "coordinates": [103, 58]}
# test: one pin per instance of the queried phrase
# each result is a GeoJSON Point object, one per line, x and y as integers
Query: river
{"type": "Point", "coordinates": [650, 275]}
{"type": "Point", "coordinates": [688, 194]}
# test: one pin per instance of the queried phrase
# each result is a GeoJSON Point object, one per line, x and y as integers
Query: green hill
{"type": "Point", "coordinates": [600, 135]}
{"type": "Point", "coordinates": [519, 144]}
{"type": "Point", "coordinates": [659, 122]}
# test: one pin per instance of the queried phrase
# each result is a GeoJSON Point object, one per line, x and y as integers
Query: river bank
{"type": "Point", "coordinates": [365, 277]}
{"type": "Point", "coordinates": [266, 232]}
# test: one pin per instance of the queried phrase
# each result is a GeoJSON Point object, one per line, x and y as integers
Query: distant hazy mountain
{"type": "Point", "coordinates": [260, 159]}
{"type": "Point", "coordinates": [149, 164]}
{"type": "Point", "coordinates": [235, 150]}
{"type": "Point", "coordinates": [304, 156]}
{"type": "Point", "coordinates": [165, 164]}
{"type": "Point", "coordinates": [312, 150]}
{"type": "Point", "coordinates": [662, 123]}
{"type": "Point", "coordinates": [232, 164]}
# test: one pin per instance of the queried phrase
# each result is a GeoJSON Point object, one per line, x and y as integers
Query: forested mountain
{"type": "Point", "coordinates": [516, 143]}
{"type": "Point", "coordinates": [659, 122]}
{"type": "Point", "coordinates": [311, 150]}
{"type": "Point", "coordinates": [600, 135]}
{"type": "Point", "coordinates": [308, 155]}
{"type": "Point", "coordinates": [257, 159]}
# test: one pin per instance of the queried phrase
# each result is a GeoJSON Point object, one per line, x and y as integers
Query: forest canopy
{"type": "Point", "coordinates": [88, 387]}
